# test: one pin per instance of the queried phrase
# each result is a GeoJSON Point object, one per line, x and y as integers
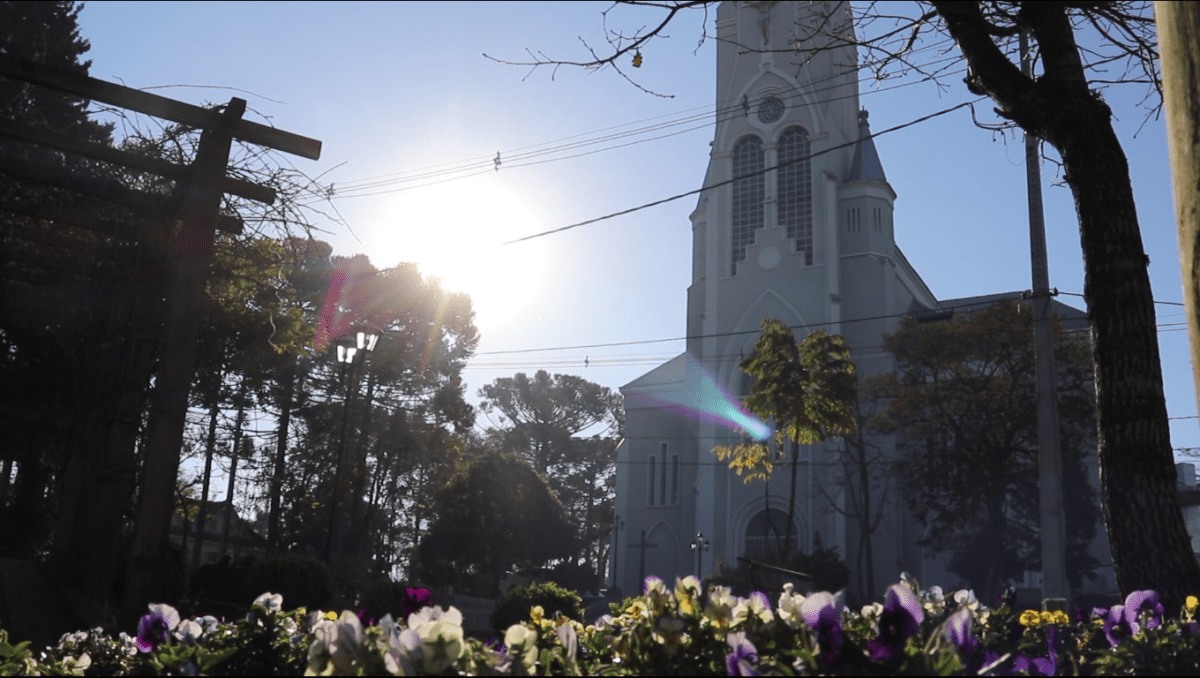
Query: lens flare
{"type": "Point", "coordinates": [700, 396]}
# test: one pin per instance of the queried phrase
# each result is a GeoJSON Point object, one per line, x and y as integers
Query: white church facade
{"type": "Point", "coordinates": [796, 223]}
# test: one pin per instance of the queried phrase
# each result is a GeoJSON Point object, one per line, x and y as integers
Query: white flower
{"type": "Point", "coordinates": [789, 607]}
{"type": "Point", "coordinates": [441, 634]}
{"type": "Point", "coordinates": [757, 606]}
{"type": "Point", "coordinates": [404, 651]}
{"type": "Point", "coordinates": [966, 598]}
{"type": "Point", "coordinates": [73, 638]}
{"type": "Point", "coordinates": [933, 601]}
{"type": "Point", "coordinates": [435, 614]}
{"type": "Point", "coordinates": [272, 601]}
{"type": "Point", "coordinates": [75, 666]}
{"type": "Point", "coordinates": [324, 640]}
{"type": "Point", "coordinates": [189, 632]}
{"type": "Point", "coordinates": [872, 611]}
{"type": "Point", "coordinates": [347, 649]}
{"type": "Point", "coordinates": [210, 623]}
{"type": "Point", "coordinates": [522, 642]}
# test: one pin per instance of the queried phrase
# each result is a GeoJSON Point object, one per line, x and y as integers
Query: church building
{"type": "Point", "coordinates": [796, 223]}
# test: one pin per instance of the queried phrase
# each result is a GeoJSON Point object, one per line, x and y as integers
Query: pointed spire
{"type": "Point", "coordinates": [866, 165]}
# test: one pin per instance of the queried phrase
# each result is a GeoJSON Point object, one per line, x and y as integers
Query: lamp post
{"type": "Point", "coordinates": [700, 544]}
{"type": "Point", "coordinates": [364, 343]}
{"type": "Point", "coordinates": [618, 525]}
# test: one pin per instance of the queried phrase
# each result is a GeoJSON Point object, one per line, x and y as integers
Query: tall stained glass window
{"type": "Point", "coordinates": [749, 191]}
{"type": "Point", "coordinates": [795, 190]}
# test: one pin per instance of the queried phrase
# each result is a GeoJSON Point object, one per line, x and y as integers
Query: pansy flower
{"type": "Point", "coordinates": [1142, 607]}
{"type": "Point", "coordinates": [823, 615]}
{"type": "Point", "coordinates": [741, 660]}
{"type": "Point", "coordinates": [155, 628]}
{"type": "Point", "coordinates": [901, 617]}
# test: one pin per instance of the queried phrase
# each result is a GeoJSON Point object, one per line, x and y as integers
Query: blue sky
{"type": "Point", "coordinates": [401, 91]}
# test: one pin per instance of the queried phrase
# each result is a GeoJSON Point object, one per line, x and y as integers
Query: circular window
{"type": "Point", "coordinates": [770, 110]}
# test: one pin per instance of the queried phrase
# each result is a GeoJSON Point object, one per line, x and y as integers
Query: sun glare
{"type": "Point", "coordinates": [455, 231]}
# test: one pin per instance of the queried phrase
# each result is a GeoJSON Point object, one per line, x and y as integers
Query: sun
{"type": "Point", "coordinates": [456, 232]}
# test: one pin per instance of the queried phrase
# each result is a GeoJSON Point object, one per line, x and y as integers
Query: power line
{"type": "Point", "coordinates": [718, 184]}
{"type": "Point", "coordinates": [484, 164]}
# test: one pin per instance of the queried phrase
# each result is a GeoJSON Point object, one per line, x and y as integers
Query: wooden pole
{"type": "Point", "coordinates": [1179, 45]}
{"type": "Point", "coordinates": [202, 200]}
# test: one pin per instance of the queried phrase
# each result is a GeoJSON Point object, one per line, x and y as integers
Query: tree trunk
{"type": "Point", "coordinates": [234, 451]}
{"type": "Point", "coordinates": [288, 381]}
{"type": "Point", "coordinates": [1149, 542]}
{"type": "Point", "coordinates": [787, 527]}
{"type": "Point", "coordinates": [210, 444]}
{"type": "Point", "coordinates": [864, 511]}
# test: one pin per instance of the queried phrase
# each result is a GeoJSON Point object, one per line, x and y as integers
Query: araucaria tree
{"type": "Point", "coordinates": [1058, 103]}
{"type": "Point", "coordinates": [541, 419]}
{"type": "Point", "coordinates": [964, 405]}
{"type": "Point", "coordinates": [807, 389]}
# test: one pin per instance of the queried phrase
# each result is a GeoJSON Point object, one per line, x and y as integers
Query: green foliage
{"type": "Point", "coordinates": [807, 387]}
{"type": "Point", "coordinates": [514, 607]}
{"type": "Point", "coordinates": [301, 580]}
{"type": "Point", "coordinates": [824, 565]}
{"type": "Point", "coordinates": [384, 597]}
{"type": "Point", "coordinates": [541, 419]}
{"type": "Point", "coordinates": [494, 515]}
{"type": "Point", "coordinates": [964, 401]}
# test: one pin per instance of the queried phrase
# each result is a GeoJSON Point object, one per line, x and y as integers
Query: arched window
{"type": "Point", "coordinates": [765, 537]}
{"type": "Point", "coordinates": [795, 190]}
{"type": "Point", "coordinates": [749, 190]}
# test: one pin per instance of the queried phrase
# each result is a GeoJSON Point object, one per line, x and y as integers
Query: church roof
{"type": "Point", "coordinates": [674, 371]}
{"type": "Point", "coordinates": [866, 165]}
{"type": "Point", "coordinates": [1071, 317]}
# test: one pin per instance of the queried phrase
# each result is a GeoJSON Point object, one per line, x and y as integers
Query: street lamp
{"type": "Point", "coordinates": [618, 525]}
{"type": "Point", "coordinates": [700, 544]}
{"type": "Point", "coordinates": [363, 343]}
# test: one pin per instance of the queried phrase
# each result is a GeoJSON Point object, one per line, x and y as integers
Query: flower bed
{"type": "Point", "coordinates": [662, 632]}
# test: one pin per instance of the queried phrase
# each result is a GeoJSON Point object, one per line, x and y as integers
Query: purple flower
{"type": "Point", "coordinates": [822, 615]}
{"type": "Point", "coordinates": [1042, 667]}
{"type": "Point", "coordinates": [958, 631]}
{"type": "Point", "coordinates": [1113, 630]}
{"type": "Point", "coordinates": [154, 629]}
{"type": "Point", "coordinates": [899, 621]}
{"type": "Point", "coordinates": [741, 661]}
{"type": "Point", "coordinates": [415, 600]}
{"type": "Point", "coordinates": [1139, 603]}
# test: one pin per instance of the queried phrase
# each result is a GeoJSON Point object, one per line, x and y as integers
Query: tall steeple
{"type": "Point", "coordinates": [866, 165]}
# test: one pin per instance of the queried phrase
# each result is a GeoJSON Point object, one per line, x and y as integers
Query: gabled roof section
{"type": "Point", "coordinates": [1071, 317]}
{"type": "Point", "coordinates": [674, 371]}
{"type": "Point", "coordinates": [866, 165]}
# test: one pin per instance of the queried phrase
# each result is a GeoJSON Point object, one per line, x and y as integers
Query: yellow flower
{"type": "Point", "coordinates": [536, 613]}
{"type": "Point", "coordinates": [1047, 617]}
{"type": "Point", "coordinates": [1191, 604]}
{"type": "Point", "coordinates": [1060, 617]}
{"type": "Point", "coordinates": [331, 615]}
{"type": "Point", "coordinates": [1030, 618]}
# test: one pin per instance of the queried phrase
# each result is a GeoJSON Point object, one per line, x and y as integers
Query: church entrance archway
{"type": "Point", "coordinates": [765, 536]}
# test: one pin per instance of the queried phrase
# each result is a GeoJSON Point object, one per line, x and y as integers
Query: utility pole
{"type": "Point", "coordinates": [1055, 590]}
{"type": "Point", "coordinates": [1179, 44]}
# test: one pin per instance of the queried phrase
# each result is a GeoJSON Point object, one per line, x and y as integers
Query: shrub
{"type": "Point", "coordinates": [514, 606]}
{"type": "Point", "coordinates": [303, 581]}
{"type": "Point", "coordinates": [575, 577]}
{"type": "Point", "coordinates": [397, 599]}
